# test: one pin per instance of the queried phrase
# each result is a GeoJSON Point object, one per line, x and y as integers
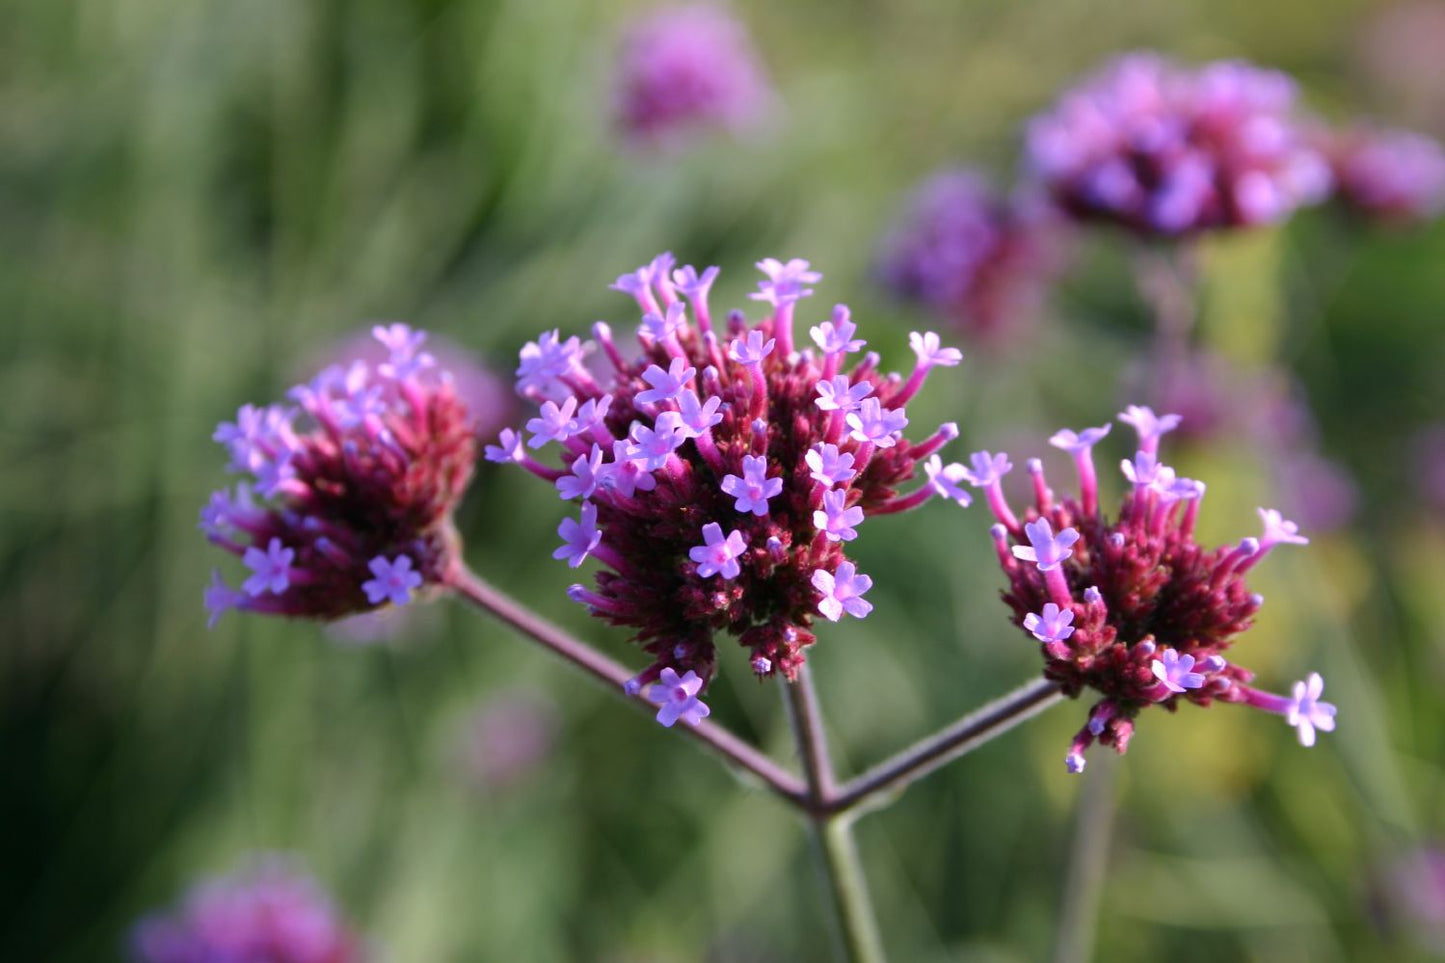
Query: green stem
{"type": "Point", "coordinates": [1087, 864]}
{"type": "Point", "coordinates": [832, 832]}
{"type": "Point", "coordinates": [876, 786]}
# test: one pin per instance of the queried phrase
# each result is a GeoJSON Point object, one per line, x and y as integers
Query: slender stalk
{"type": "Point", "coordinates": [1087, 863]}
{"type": "Point", "coordinates": [1167, 282]}
{"type": "Point", "coordinates": [870, 789]}
{"type": "Point", "coordinates": [614, 675]}
{"type": "Point", "coordinates": [832, 832]}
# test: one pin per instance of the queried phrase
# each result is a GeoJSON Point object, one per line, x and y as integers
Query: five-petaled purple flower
{"type": "Point", "coordinates": [392, 581]}
{"type": "Point", "coordinates": [754, 488]}
{"type": "Point", "coordinates": [718, 555]}
{"type": "Point", "coordinates": [271, 569]}
{"type": "Point", "coordinates": [1307, 713]}
{"type": "Point", "coordinates": [835, 520]}
{"type": "Point", "coordinates": [843, 592]}
{"type": "Point", "coordinates": [1051, 625]}
{"type": "Point", "coordinates": [678, 698]}
{"type": "Point", "coordinates": [1175, 671]}
{"type": "Point", "coordinates": [579, 537]}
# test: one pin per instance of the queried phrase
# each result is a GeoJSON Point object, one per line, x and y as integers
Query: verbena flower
{"type": "Point", "coordinates": [687, 68]}
{"type": "Point", "coordinates": [727, 468]}
{"type": "Point", "coordinates": [979, 260]}
{"type": "Point", "coordinates": [1167, 150]}
{"type": "Point", "coordinates": [1135, 609]}
{"type": "Point", "coordinates": [347, 495]}
{"type": "Point", "coordinates": [1390, 175]}
{"type": "Point", "coordinates": [270, 912]}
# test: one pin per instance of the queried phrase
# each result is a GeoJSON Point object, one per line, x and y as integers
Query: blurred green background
{"type": "Point", "coordinates": [197, 197]}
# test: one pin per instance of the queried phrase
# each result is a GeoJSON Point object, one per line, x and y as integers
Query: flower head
{"type": "Point", "coordinates": [269, 911]}
{"type": "Point", "coordinates": [1166, 150]}
{"type": "Point", "coordinates": [979, 260]}
{"type": "Point", "coordinates": [1389, 175]}
{"type": "Point", "coordinates": [685, 69]}
{"type": "Point", "coordinates": [369, 467]}
{"type": "Point", "coordinates": [733, 474]}
{"type": "Point", "coordinates": [1135, 608]}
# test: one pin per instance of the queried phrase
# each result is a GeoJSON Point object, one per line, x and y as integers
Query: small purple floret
{"type": "Point", "coordinates": [678, 698]}
{"type": "Point", "coordinates": [394, 581]}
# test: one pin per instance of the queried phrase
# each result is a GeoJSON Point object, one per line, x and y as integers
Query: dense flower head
{"type": "Point", "coordinates": [1134, 608]}
{"type": "Point", "coordinates": [348, 492]}
{"type": "Point", "coordinates": [269, 912]}
{"type": "Point", "coordinates": [686, 68]}
{"type": "Point", "coordinates": [979, 260]}
{"type": "Point", "coordinates": [726, 470]}
{"type": "Point", "coordinates": [1166, 150]}
{"type": "Point", "coordinates": [1389, 175]}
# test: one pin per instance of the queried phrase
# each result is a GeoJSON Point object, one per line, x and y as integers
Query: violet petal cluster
{"type": "Point", "coordinates": [687, 68]}
{"type": "Point", "coordinates": [1167, 150]}
{"type": "Point", "coordinates": [270, 912]}
{"type": "Point", "coordinates": [1389, 175]}
{"type": "Point", "coordinates": [724, 470]}
{"type": "Point", "coordinates": [347, 494]}
{"type": "Point", "coordinates": [978, 260]}
{"type": "Point", "coordinates": [1135, 608]}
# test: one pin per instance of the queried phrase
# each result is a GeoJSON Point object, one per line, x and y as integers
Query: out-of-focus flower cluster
{"type": "Point", "coordinates": [347, 497]}
{"type": "Point", "coordinates": [1414, 894]}
{"type": "Point", "coordinates": [270, 912]}
{"type": "Point", "coordinates": [1167, 150]}
{"type": "Point", "coordinates": [1135, 608]}
{"type": "Point", "coordinates": [1389, 175]}
{"type": "Point", "coordinates": [977, 259]}
{"type": "Point", "coordinates": [688, 68]}
{"type": "Point", "coordinates": [722, 470]}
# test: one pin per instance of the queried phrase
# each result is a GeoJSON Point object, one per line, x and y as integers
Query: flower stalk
{"type": "Point", "coordinates": [725, 744]}
{"type": "Point", "coordinates": [831, 829]}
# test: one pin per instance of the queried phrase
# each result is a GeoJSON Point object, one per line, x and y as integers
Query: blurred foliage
{"type": "Point", "coordinates": [195, 194]}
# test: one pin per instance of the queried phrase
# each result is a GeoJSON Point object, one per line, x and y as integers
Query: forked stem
{"type": "Point", "coordinates": [856, 925]}
{"type": "Point", "coordinates": [877, 785]}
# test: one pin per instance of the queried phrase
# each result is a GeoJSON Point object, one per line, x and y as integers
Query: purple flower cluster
{"type": "Point", "coordinates": [1135, 609]}
{"type": "Point", "coordinates": [979, 260]}
{"type": "Point", "coordinates": [1168, 151]}
{"type": "Point", "coordinates": [687, 68]}
{"type": "Point", "coordinates": [1389, 175]}
{"type": "Point", "coordinates": [268, 913]}
{"type": "Point", "coordinates": [723, 471]}
{"type": "Point", "coordinates": [349, 491]}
